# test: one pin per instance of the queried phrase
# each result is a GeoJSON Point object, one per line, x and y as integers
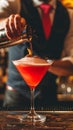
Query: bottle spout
{"type": "Point", "coordinates": [16, 41]}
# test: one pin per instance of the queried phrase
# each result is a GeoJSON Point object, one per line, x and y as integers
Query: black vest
{"type": "Point", "coordinates": [51, 48]}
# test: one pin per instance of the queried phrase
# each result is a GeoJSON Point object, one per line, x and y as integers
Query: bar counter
{"type": "Point", "coordinates": [55, 120]}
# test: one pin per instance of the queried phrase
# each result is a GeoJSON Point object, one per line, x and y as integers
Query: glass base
{"type": "Point", "coordinates": [32, 119]}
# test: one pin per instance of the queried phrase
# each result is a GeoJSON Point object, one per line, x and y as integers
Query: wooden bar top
{"type": "Point", "coordinates": [56, 120]}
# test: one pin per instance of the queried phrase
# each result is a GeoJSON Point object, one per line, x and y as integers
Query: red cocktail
{"type": "Point", "coordinates": [32, 74]}
{"type": "Point", "coordinates": [32, 69]}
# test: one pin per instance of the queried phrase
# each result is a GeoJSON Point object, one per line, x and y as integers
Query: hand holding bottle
{"type": "Point", "coordinates": [14, 26]}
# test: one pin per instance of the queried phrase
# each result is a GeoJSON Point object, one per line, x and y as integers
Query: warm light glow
{"type": "Point", "coordinates": [63, 86]}
{"type": "Point", "coordinates": [67, 3]}
{"type": "Point", "coordinates": [68, 89]}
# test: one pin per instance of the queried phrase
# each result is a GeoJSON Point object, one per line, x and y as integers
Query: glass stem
{"type": "Point", "coordinates": [32, 101]}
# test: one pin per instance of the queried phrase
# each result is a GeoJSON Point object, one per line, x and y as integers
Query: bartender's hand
{"type": "Point", "coordinates": [14, 26]}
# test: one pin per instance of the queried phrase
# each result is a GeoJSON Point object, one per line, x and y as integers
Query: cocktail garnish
{"type": "Point", "coordinates": [29, 52]}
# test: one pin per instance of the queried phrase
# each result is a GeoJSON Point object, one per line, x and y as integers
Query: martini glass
{"type": "Point", "coordinates": [32, 69]}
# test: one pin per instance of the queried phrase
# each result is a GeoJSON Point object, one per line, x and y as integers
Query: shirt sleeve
{"type": "Point", "coordinates": [8, 7]}
{"type": "Point", "coordinates": [68, 44]}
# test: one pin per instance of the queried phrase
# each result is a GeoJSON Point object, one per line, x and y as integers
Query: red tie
{"type": "Point", "coordinates": [46, 19]}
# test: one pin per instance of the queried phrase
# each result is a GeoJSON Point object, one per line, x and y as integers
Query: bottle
{"type": "Point", "coordinates": [26, 36]}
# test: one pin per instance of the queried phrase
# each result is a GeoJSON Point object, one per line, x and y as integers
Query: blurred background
{"type": "Point", "coordinates": [3, 71]}
{"type": "Point", "coordinates": [64, 84]}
